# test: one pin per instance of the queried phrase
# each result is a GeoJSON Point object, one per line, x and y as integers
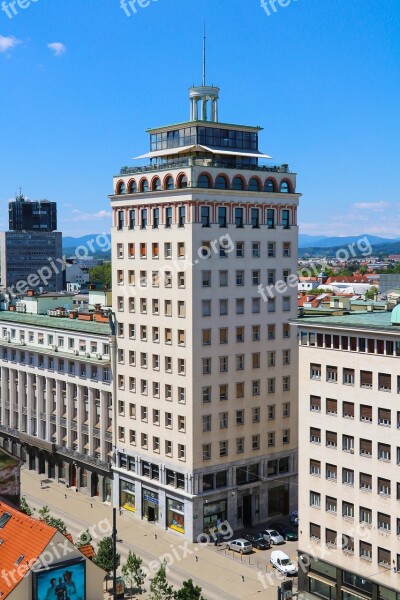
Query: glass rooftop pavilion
{"type": "Point", "coordinates": [203, 141]}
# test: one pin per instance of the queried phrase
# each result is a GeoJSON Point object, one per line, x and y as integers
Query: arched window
{"type": "Point", "coordinates": [182, 182]}
{"type": "Point", "coordinates": [169, 183]}
{"type": "Point", "coordinates": [284, 187]}
{"type": "Point", "coordinates": [144, 185]}
{"type": "Point", "coordinates": [269, 186]}
{"type": "Point", "coordinates": [121, 188]}
{"type": "Point", "coordinates": [237, 184]}
{"type": "Point", "coordinates": [156, 184]}
{"type": "Point", "coordinates": [133, 187]}
{"type": "Point", "coordinates": [221, 183]}
{"type": "Point", "coordinates": [203, 181]}
{"type": "Point", "coordinates": [254, 185]}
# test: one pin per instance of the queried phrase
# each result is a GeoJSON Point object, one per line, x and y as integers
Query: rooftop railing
{"type": "Point", "coordinates": [203, 162]}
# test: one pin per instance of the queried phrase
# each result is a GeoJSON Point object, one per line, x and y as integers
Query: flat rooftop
{"type": "Point", "coordinates": [63, 323]}
{"type": "Point", "coordinates": [375, 321]}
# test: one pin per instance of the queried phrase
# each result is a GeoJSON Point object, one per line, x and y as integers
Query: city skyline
{"type": "Point", "coordinates": [326, 101]}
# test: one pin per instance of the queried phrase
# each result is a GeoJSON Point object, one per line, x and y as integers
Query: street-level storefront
{"type": "Point", "coordinates": [175, 515]}
{"type": "Point", "coordinates": [150, 505]}
{"type": "Point", "coordinates": [214, 514]}
{"type": "Point", "coordinates": [127, 495]}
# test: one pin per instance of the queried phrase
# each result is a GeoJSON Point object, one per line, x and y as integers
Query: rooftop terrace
{"type": "Point", "coordinates": [63, 323]}
{"type": "Point", "coordinates": [375, 321]}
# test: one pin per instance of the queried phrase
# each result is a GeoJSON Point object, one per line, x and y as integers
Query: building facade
{"type": "Point", "coordinates": [206, 375]}
{"type": "Point", "coordinates": [349, 450]}
{"type": "Point", "coordinates": [25, 215]}
{"type": "Point", "coordinates": [56, 396]}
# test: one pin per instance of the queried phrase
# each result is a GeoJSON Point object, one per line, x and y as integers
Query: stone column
{"type": "Point", "coordinates": [103, 423]}
{"type": "Point", "coordinates": [4, 394]}
{"type": "Point", "coordinates": [79, 422]}
{"type": "Point", "coordinates": [30, 402]}
{"type": "Point", "coordinates": [92, 420]}
{"type": "Point", "coordinates": [59, 411]}
{"type": "Point", "coordinates": [47, 407]}
{"type": "Point", "coordinates": [70, 412]}
{"type": "Point", "coordinates": [13, 399]}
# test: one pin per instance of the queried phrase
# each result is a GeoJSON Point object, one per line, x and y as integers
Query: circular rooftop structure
{"type": "Point", "coordinates": [395, 316]}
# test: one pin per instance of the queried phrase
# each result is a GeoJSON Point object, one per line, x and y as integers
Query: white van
{"type": "Point", "coordinates": [282, 562]}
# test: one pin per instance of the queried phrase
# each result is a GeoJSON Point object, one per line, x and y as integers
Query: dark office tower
{"type": "Point", "coordinates": [24, 215]}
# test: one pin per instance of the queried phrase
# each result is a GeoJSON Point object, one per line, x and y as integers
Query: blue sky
{"type": "Point", "coordinates": [322, 78]}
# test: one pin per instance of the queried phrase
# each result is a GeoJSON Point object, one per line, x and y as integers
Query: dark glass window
{"type": "Point", "coordinates": [237, 183]}
{"type": "Point", "coordinates": [183, 182]}
{"type": "Point", "coordinates": [203, 181]}
{"type": "Point", "coordinates": [254, 186]}
{"type": "Point", "coordinates": [270, 218]}
{"type": "Point", "coordinates": [222, 220]}
{"type": "Point", "coordinates": [239, 217]}
{"type": "Point", "coordinates": [221, 479]}
{"type": "Point", "coordinates": [120, 219]}
{"type": "Point", "coordinates": [132, 219]}
{"type": "Point", "coordinates": [145, 185]}
{"type": "Point", "coordinates": [169, 183]}
{"type": "Point", "coordinates": [285, 219]}
{"type": "Point", "coordinates": [133, 187]}
{"type": "Point", "coordinates": [168, 216]}
{"type": "Point", "coordinates": [208, 482]}
{"type": "Point", "coordinates": [269, 186]}
{"type": "Point", "coordinates": [156, 218]}
{"type": "Point", "coordinates": [182, 216]}
{"type": "Point", "coordinates": [122, 188]}
{"type": "Point", "coordinates": [255, 218]}
{"type": "Point", "coordinates": [221, 183]}
{"type": "Point", "coordinates": [284, 187]}
{"type": "Point", "coordinates": [205, 216]}
{"type": "Point", "coordinates": [143, 218]}
{"type": "Point", "coordinates": [157, 184]}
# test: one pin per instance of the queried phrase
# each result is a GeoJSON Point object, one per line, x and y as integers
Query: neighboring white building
{"type": "Point", "coordinates": [206, 370]}
{"type": "Point", "coordinates": [56, 396]}
{"type": "Point", "coordinates": [307, 285]}
{"type": "Point", "coordinates": [349, 448]}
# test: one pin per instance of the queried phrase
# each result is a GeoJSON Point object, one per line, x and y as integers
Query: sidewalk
{"type": "Point", "coordinates": [221, 576]}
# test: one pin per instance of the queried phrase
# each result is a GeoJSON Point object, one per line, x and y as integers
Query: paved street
{"type": "Point", "coordinates": [220, 574]}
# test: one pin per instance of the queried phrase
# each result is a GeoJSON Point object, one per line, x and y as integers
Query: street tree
{"type": "Point", "coordinates": [189, 591]}
{"type": "Point", "coordinates": [133, 574]}
{"type": "Point", "coordinates": [104, 555]}
{"type": "Point", "coordinates": [159, 587]}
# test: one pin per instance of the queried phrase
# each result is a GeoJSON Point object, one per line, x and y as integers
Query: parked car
{"type": "Point", "coordinates": [257, 541]}
{"type": "Point", "coordinates": [240, 545]}
{"type": "Point", "coordinates": [272, 536]}
{"type": "Point", "coordinates": [279, 560]}
{"type": "Point", "coordinates": [294, 517]}
{"type": "Point", "coordinates": [288, 533]}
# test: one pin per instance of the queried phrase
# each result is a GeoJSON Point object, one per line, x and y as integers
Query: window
{"type": "Point", "coordinates": [365, 550]}
{"type": "Point", "coordinates": [255, 442]}
{"type": "Point", "coordinates": [384, 557]}
{"type": "Point", "coordinates": [366, 413]}
{"type": "Point", "coordinates": [240, 390]}
{"type": "Point", "coordinates": [315, 467]}
{"type": "Point", "coordinates": [132, 219]}
{"type": "Point", "coordinates": [240, 334]}
{"type": "Point", "coordinates": [223, 335]}
{"type": "Point", "coordinates": [222, 218]}
{"type": "Point", "coordinates": [330, 537]}
{"type": "Point", "coordinates": [348, 443]}
{"type": "Point", "coordinates": [365, 448]}
{"type": "Point", "coordinates": [255, 249]}
{"type": "Point", "coordinates": [223, 392]}
{"type": "Point", "coordinates": [271, 332]}
{"type": "Point", "coordinates": [206, 366]}
{"type": "Point", "coordinates": [365, 515]}
{"type": "Point", "coordinates": [206, 451]}
{"type": "Point", "coordinates": [255, 414]}
{"type": "Point", "coordinates": [167, 250]}
{"type": "Point", "coordinates": [143, 218]}
{"type": "Point", "coordinates": [240, 249]}
{"type": "Point", "coordinates": [223, 278]}
{"type": "Point", "coordinates": [271, 305]}
{"type": "Point", "coordinates": [223, 364]}
{"type": "Point", "coordinates": [348, 410]}
{"type": "Point", "coordinates": [181, 308]}
{"type": "Point", "coordinates": [271, 276]}
{"type": "Point", "coordinates": [315, 499]}
{"type": "Point", "coordinates": [239, 362]}
{"type": "Point", "coordinates": [255, 218]}
{"type": "Point", "coordinates": [331, 472]}
{"type": "Point", "coordinates": [331, 406]}
{"type": "Point", "coordinates": [384, 382]}
{"type": "Point", "coordinates": [206, 422]}
{"type": "Point", "coordinates": [348, 376]}
{"type": "Point", "coordinates": [330, 504]}
{"type": "Point", "coordinates": [286, 357]}
{"type": "Point", "coordinates": [348, 510]}
{"type": "Point", "coordinates": [331, 439]}
{"type": "Point", "coordinates": [348, 477]}
{"type": "Point", "coordinates": [315, 435]}
{"type": "Point", "coordinates": [181, 249]}
{"type": "Point", "coordinates": [239, 277]}
{"type": "Point", "coordinates": [223, 420]}
{"type": "Point", "coordinates": [315, 371]}
{"type": "Point", "coordinates": [286, 436]}
{"type": "Point", "coordinates": [271, 217]}
{"type": "Point", "coordinates": [384, 521]}
{"type": "Point", "coordinates": [206, 308]}
{"type": "Point", "coordinates": [255, 333]}
{"type": "Point", "coordinates": [332, 374]}
{"type": "Point", "coordinates": [383, 486]}
{"type": "Point", "coordinates": [181, 279]}
{"type": "Point", "coordinates": [286, 219]}
{"type": "Point", "coordinates": [255, 305]}
{"type": "Point", "coordinates": [271, 439]}
{"type": "Point", "coordinates": [206, 394]}
{"type": "Point", "coordinates": [240, 417]}
{"type": "Point", "coordinates": [384, 451]}
{"type": "Point", "coordinates": [168, 448]}
{"type": "Point", "coordinates": [239, 445]}
{"type": "Point", "coordinates": [239, 306]}
{"type": "Point", "coordinates": [206, 278]}
{"type": "Point", "coordinates": [223, 307]}
{"type": "Point", "coordinates": [384, 417]}
{"type": "Point", "coordinates": [271, 385]}
{"type": "Point", "coordinates": [206, 337]}
{"type": "Point", "coordinates": [287, 249]}
{"type": "Point", "coordinates": [181, 216]}
{"type": "Point", "coordinates": [271, 358]}
{"type": "Point", "coordinates": [271, 249]}
{"type": "Point", "coordinates": [205, 216]}
{"type": "Point", "coordinates": [223, 448]}
{"type": "Point", "coordinates": [168, 217]}
{"type": "Point", "coordinates": [366, 379]}
{"type": "Point", "coordinates": [256, 361]}
{"type": "Point", "coordinates": [365, 482]}
{"type": "Point", "coordinates": [315, 532]}
{"type": "Point", "coordinates": [271, 411]}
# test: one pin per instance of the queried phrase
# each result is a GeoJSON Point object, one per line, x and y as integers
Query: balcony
{"type": "Point", "coordinates": [202, 162]}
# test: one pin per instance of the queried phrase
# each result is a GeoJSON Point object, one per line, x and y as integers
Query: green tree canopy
{"type": "Point", "coordinates": [159, 587]}
{"type": "Point", "coordinates": [189, 591]}
{"type": "Point", "coordinates": [104, 555]}
{"type": "Point", "coordinates": [101, 274]}
{"type": "Point", "coordinates": [133, 574]}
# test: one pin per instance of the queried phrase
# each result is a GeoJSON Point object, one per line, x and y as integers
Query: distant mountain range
{"type": "Point", "coordinates": [315, 241]}
{"type": "Point", "coordinates": [313, 245]}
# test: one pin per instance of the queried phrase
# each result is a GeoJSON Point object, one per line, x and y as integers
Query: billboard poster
{"type": "Point", "coordinates": [10, 467]}
{"type": "Point", "coordinates": [66, 581]}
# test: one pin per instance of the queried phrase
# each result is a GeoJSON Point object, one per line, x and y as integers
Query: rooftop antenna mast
{"type": "Point", "coordinates": [204, 56]}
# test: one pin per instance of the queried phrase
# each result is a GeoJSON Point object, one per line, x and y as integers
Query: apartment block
{"type": "Point", "coordinates": [56, 396]}
{"type": "Point", "coordinates": [349, 452]}
{"type": "Point", "coordinates": [206, 372]}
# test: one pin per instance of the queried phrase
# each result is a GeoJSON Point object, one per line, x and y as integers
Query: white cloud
{"type": "Point", "coordinates": [375, 206]}
{"type": "Point", "coordinates": [79, 216]}
{"type": "Point", "coordinates": [57, 48]}
{"type": "Point", "coordinates": [7, 43]}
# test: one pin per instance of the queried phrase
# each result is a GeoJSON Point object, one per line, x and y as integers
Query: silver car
{"type": "Point", "coordinates": [272, 536]}
{"type": "Point", "coordinates": [240, 545]}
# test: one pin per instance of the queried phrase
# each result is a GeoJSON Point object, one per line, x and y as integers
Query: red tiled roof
{"type": "Point", "coordinates": [69, 538]}
{"type": "Point", "coordinates": [20, 536]}
{"type": "Point", "coordinates": [87, 551]}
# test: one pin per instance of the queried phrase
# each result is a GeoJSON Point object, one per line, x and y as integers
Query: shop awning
{"type": "Point", "coordinates": [322, 579]}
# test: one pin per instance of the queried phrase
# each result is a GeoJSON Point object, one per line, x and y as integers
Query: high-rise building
{"type": "Point", "coordinates": [25, 215]}
{"type": "Point", "coordinates": [31, 252]}
{"type": "Point", "coordinates": [206, 373]}
{"type": "Point", "coordinates": [349, 448]}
